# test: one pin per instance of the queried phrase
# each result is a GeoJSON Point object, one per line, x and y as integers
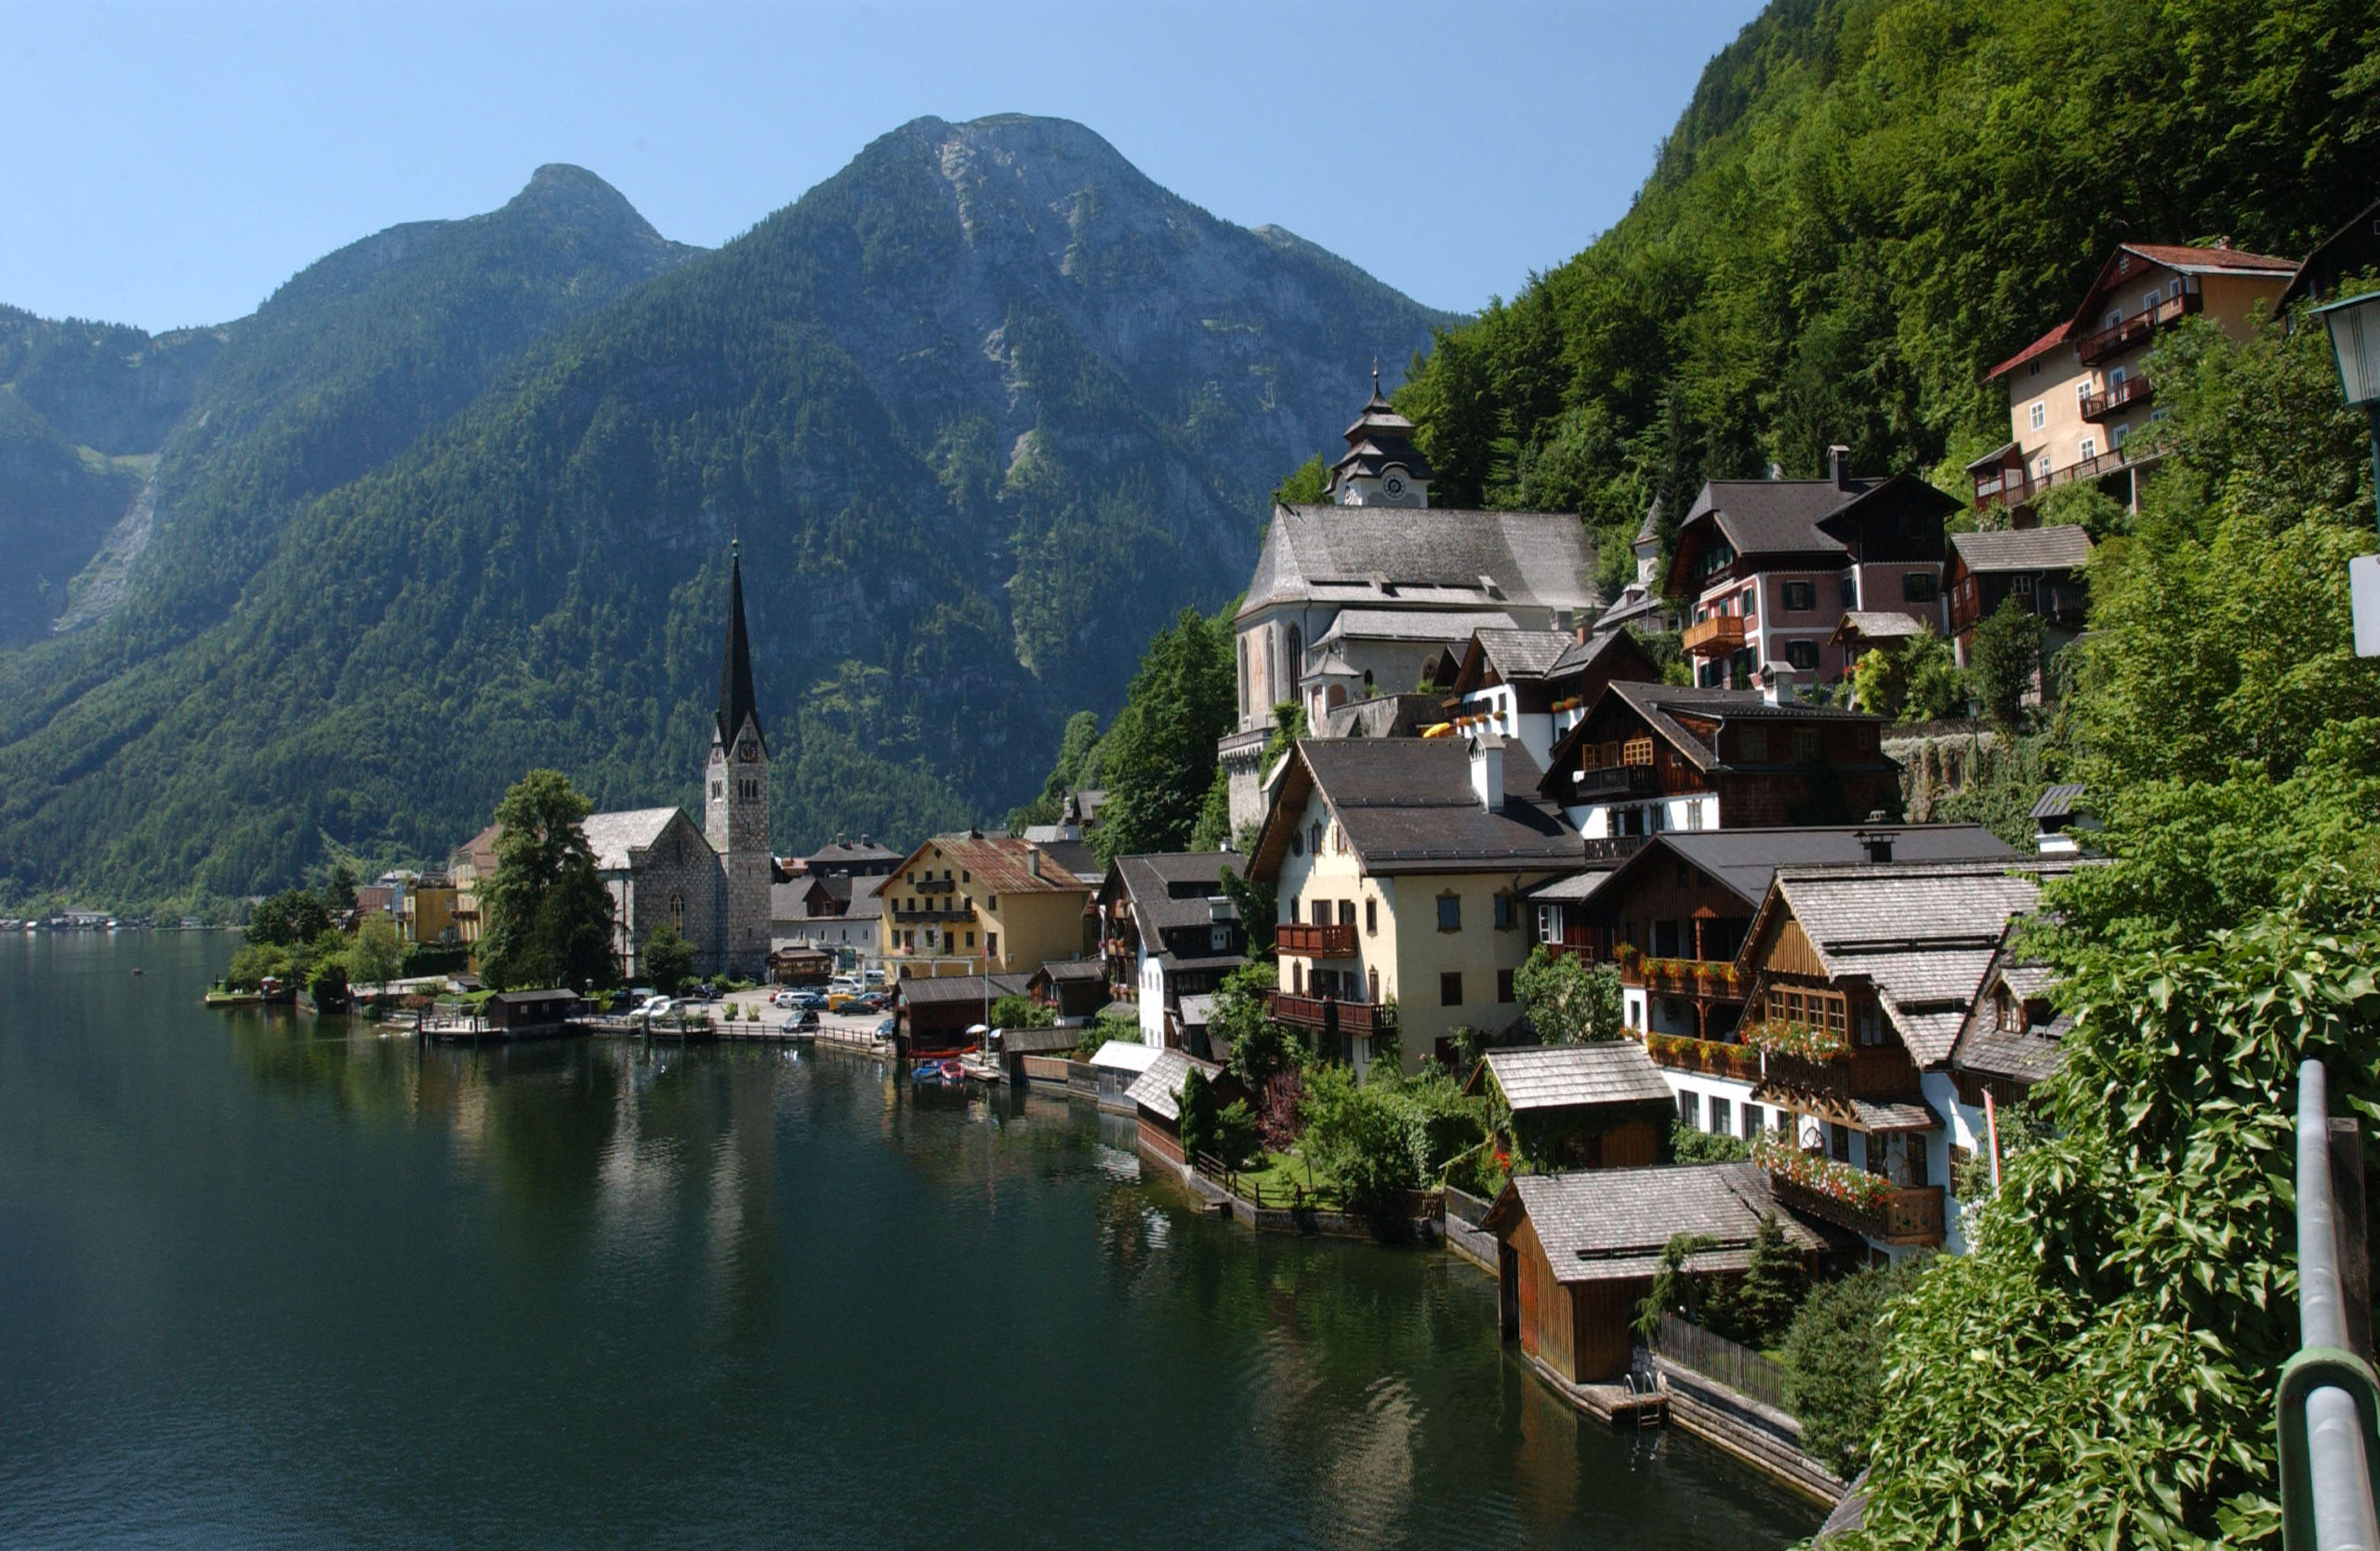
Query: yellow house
{"type": "Point", "coordinates": [975, 903]}
{"type": "Point", "coordinates": [1398, 865]}
{"type": "Point", "coordinates": [430, 914]}
{"type": "Point", "coordinates": [2077, 396]}
{"type": "Point", "coordinates": [472, 865]}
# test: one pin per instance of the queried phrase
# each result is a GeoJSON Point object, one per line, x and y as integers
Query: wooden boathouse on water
{"type": "Point", "coordinates": [1598, 1105]}
{"type": "Point", "coordinates": [1577, 1254]}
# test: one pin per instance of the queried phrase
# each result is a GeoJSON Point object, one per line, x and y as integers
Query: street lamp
{"type": "Point", "coordinates": [2355, 343]}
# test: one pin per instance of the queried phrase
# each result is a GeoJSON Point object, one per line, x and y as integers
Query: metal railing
{"type": "Point", "coordinates": [2328, 1402]}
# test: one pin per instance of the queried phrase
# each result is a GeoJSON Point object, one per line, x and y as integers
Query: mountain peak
{"type": "Point", "coordinates": [561, 191]}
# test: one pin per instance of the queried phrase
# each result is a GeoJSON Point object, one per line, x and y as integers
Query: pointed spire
{"type": "Point", "coordinates": [1375, 374]}
{"type": "Point", "coordinates": [736, 702]}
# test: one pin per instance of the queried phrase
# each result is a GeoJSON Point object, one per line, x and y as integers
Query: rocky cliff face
{"type": "Point", "coordinates": [985, 409]}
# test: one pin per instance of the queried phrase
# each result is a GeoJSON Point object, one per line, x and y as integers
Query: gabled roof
{"type": "Point", "coordinates": [1125, 1055]}
{"type": "Point", "coordinates": [480, 850]}
{"type": "Point", "coordinates": [2046, 343]}
{"type": "Point", "coordinates": [2061, 800]}
{"type": "Point", "coordinates": [924, 990]}
{"type": "Point", "coordinates": [1523, 654]}
{"type": "Point", "coordinates": [1569, 1077]}
{"type": "Point", "coordinates": [613, 836]}
{"type": "Point", "coordinates": [1579, 655]}
{"type": "Point", "coordinates": [1787, 517]}
{"type": "Point", "coordinates": [998, 864]}
{"type": "Point", "coordinates": [2310, 274]}
{"type": "Point", "coordinates": [1744, 862]}
{"type": "Point", "coordinates": [1661, 705]}
{"type": "Point", "coordinates": [1612, 1225]}
{"type": "Point", "coordinates": [1877, 625]}
{"type": "Point", "coordinates": [867, 899]}
{"type": "Point", "coordinates": [842, 853]}
{"type": "Point", "coordinates": [1158, 1088]}
{"type": "Point", "coordinates": [1921, 935]}
{"type": "Point", "coordinates": [1170, 892]}
{"type": "Point", "coordinates": [2023, 1054]}
{"type": "Point", "coordinates": [1406, 806]}
{"type": "Point", "coordinates": [1072, 970]}
{"type": "Point", "coordinates": [2061, 547]}
{"type": "Point", "coordinates": [1398, 557]}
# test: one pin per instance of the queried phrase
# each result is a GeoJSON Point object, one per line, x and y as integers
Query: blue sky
{"type": "Point", "coordinates": [171, 165]}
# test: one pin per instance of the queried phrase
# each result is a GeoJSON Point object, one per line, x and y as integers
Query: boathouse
{"type": "Point", "coordinates": [1577, 1254]}
{"type": "Point", "coordinates": [517, 1014]}
{"type": "Point", "coordinates": [935, 1013]}
{"type": "Point", "coordinates": [1116, 1067]}
{"type": "Point", "coordinates": [1601, 1106]}
{"type": "Point", "coordinates": [1157, 1096]}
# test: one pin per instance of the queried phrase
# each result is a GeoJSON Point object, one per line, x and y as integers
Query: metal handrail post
{"type": "Point", "coordinates": [2328, 1401]}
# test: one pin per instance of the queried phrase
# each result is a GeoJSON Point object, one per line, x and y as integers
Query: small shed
{"type": "Point", "coordinates": [1118, 1065]}
{"type": "Point", "coordinates": [1601, 1106]}
{"type": "Point", "coordinates": [1074, 988]}
{"type": "Point", "coordinates": [1576, 1252]}
{"type": "Point", "coordinates": [1156, 1094]}
{"type": "Point", "coordinates": [800, 964]}
{"type": "Point", "coordinates": [1051, 1044]}
{"type": "Point", "coordinates": [936, 1011]}
{"type": "Point", "coordinates": [528, 1011]}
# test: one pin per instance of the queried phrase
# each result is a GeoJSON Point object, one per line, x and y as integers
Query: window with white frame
{"type": "Point", "coordinates": [2089, 449]}
{"type": "Point", "coordinates": [2040, 414]}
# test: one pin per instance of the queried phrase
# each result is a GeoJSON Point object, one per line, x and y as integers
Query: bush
{"type": "Point", "coordinates": [1199, 1117]}
{"type": "Point", "coordinates": [1569, 1001]}
{"type": "Point", "coordinates": [254, 963]}
{"type": "Point", "coordinates": [1689, 1145]}
{"type": "Point", "coordinates": [1834, 1366]}
{"type": "Point", "coordinates": [1234, 1135]}
{"type": "Point", "coordinates": [668, 960]}
{"type": "Point", "coordinates": [1023, 1012]}
{"type": "Point", "coordinates": [1389, 1135]}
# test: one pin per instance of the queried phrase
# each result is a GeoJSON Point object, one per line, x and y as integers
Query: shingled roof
{"type": "Point", "coordinates": [1406, 806]}
{"type": "Point", "coordinates": [1659, 705]}
{"type": "Point", "coordinates": [2061, 547]}
{"type": "Point", "coordinates": [1612, 1225]}
{"type": "Point", "coordinates": [1568, 1077]}
{"type": "Point", "coordinates": [1744, 861]}
{"type": "Point", "coordinates": [1923, 935]}
{"type": "Point", "coordinates": [1159, 1088]}
{"type": "Point", "coordinates": [1397, 557]}
{"type": "Point", "coordinates": [1169, 891]}
{"type": "Point", "coordinates": [1001, 864]}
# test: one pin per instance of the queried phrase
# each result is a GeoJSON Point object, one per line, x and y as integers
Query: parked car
{"type": "Point", "coordinates": [804, 1019]}
{"type": "Point", "coordinates": [840, 1001]}
{"type": "Point", "coordinates": [655, 1007]}
{"type": "Point", "coordinates": [886, 1029]}
{"type": "Point", "coordinates": [812, 1001]}
{"type": "Point", "coordinates": [783, 998]}
{"type": "Point", "coordinates": [874, 1001]}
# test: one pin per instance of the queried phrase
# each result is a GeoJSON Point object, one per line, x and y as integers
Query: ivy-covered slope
{"type": "Point", "coordinates": [1866, 203]}
{"type": "Point", "coordinates": [981, 409]}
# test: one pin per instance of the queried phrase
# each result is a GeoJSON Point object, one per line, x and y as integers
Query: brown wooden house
{"type": "Point", "coordinates": [2041, 568]}
{"type": "Point", "coordinates": [1581, 1106]}
{"type": "Point", "coordinates": [1577, 1254]}
{"type": "Point", "coordinates": [1157, 1096]}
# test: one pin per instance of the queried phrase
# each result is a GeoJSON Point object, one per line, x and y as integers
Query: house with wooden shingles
{"type": "Point", "coordinates": [1399, 867]}
{"type": "Point", "coordinates": [1532, 686]}
{"type": "Point", "coordinates": [1577, 1252]}
{"type": "Point", "coordinates": [1167, 931]}
{"type": "Point", "coordinates": [1600, 1105]}
{"type": "Point", "coordinates": [1860, 980]}
{"type": "Point", "coordinates": [1156, 1095]}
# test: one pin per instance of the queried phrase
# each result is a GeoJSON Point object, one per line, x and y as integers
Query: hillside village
{"type": "Point", "coordinates": [1617, 899]}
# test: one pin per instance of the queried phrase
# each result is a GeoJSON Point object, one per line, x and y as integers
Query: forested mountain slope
{"type": "Point", "coordinates": [1866, 205]}
{"type": "Point", "coordinates": [982, 408]}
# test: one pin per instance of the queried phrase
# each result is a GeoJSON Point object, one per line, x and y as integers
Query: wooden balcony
{"type": "Point", "coordinates": [934, 886]}
{"type": "Point", "coordinates": [932, 913]}
{"type": "Point", "coordinates": [1617, 780]}
{"type": "Point", "coordinates": [1361, 1019]}
{"type": "Point", "coordinates": [1912, 1215]}
{"type": "Point", "coordinates": [1312, 940]}
{"type": "Point", "coordinates": [2130, 393]}
{"type": "Point", "coordinates": [1680, 1053]}
{"type": "Point", "coordinates": [2135, 331]}
{"type": "Point", "coordinates": [1711, 978]}
{"type": "Point", "coordinates": [1866, 1072]}
{"type": "Point", "coordinates": [1719, 636]}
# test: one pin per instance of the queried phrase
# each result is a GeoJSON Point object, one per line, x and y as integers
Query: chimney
{"type": "Point", "coordinates": [1838, 465]}
{"type": "Point", "coordinates": [1777, 688]}
{"type": "Point", "coordinates": [1488, 771]}
{"type": "Point", "coordinates": [1033, 860]}
{"type": "Point", "coordinates": [1878, 843]}
{"type": "Point", "coordinates": [1578, 634]}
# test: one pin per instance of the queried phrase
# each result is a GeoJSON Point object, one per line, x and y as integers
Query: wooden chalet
{"type": "Point", "coordinates": [1529, 686]}
{"type": "Point", "coordinates": [1600, 1105]}
{"type": "Point", "coordinates": [1577, 1254]}
{"type": "Point", "coordinates": [1073, 989]}
{"type": "Point", "coordinates": [1860, 979]}
{"type": "Point", "coordinates": [1646, 759]}
{"type": "Point", "coordinates": [2041, 568]}
{"type": "Point", "coordinates": [800, 964]}
{"type": "Point", "coordinates": [933, 1012]}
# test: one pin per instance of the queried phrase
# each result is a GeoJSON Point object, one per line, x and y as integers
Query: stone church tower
{"type": "Point", "coordinates": [736, 815]}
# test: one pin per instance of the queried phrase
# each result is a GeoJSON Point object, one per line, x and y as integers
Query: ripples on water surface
{"type": "Point", "coordinates": [266, 1280]}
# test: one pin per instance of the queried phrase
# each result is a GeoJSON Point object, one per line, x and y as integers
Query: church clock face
{"type": "Point", "coordinates": [747, 751]}
{"type": "Point", "coordinates": [1393, 484]}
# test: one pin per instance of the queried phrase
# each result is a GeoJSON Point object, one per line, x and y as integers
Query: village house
{"type": "Point", "coordinates": [2078, 395]}
{"type": "Point", "coordinates": [1599, 1106]}
{"type": "Point", "coordinates": [1167, 931]}
{"type": "Point", "coordinates": [1399, 865]}
{"type": "Point", "coordinates": [1860, 980]}
{"type": "Point", "coordinates": [2041, 568]}
{"type": "Point", "coordinates": [1773, 564]}
{"type": "Point", "coordinates": [842, 858]}
{"type": "Point", "coordinates": [975, 903]}
{"type": "Point", "coordinates": [934, 1015]}
{"type": "Point", "coordinates": [2013, 1036]}
{"type": "Point", "coordinates": [1357, 595]}
{"type": "Point", "coordinates": [1673, 918]}
{"type": "Point", "coordinates": [1532, 686]}
{"type": "Point", "coordinates": [2351, 250]}
{"type": "Point", "coordinates": [1073, 989]}
{"type": "Point", "coordinates": [470, 866]}
{"type": "Point", "coordinates": [1647, 759]}
{"type": "Point", "coordinates": [839, 912]}
{"type": "Point", "coordinates": [1577, 1254]}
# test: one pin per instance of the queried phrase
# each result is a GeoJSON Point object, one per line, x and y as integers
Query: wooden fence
{"type": "Point", "coordinates": [1715, 1357]}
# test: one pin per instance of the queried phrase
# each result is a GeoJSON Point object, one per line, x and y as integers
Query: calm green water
{"type": "Point", "coordinates": [264, 1280]}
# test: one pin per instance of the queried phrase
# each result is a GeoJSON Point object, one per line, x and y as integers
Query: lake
{"type": "Point", "coordinates": [266, 1280]}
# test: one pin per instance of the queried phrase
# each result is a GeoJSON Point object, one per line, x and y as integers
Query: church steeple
{"type": "Point", "coordinates": [737, 704]}
{"type": "Point", "coordinates": [1382, 467]}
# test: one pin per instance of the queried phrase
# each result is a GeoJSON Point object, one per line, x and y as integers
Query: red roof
{"type": "Point", "coordinates": [2053, 337]}
{"type": "Point", "coordinates": [2176, 258]}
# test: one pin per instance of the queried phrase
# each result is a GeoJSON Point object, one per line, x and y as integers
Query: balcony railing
{"type": "Point", "coordinates": [2129, 393]}
{"type": "Point", "coordinates": [2117, 337]}
{"type": "Point", "coordinates": [1866, 1072]}
{"type": "Point", "coordinates": [2014, 487]}
{"type": "Point", "coordinates": [935, 912]}
{"type": "Point", "coordinates": [1680, 1053]}
{"type": "Point", "coordinates": [1614, 780]}
{"type": "Point", "coordinates": [1616, 848]}
{"type": "Point", "coordinates": [1909, 1214]}
{"type": "Point", "coordinates": [1584, 952]}
{"type": "Point", "coordinates": [1719, 636]}
{"type": "Point", "coordinates": [1312, 940]}
{"type": "Point", "coordinates": [1685, 976]}
{"type": "Point", "coordinates": [934, 885]}
{"type": "Point", "coordinates": [1364, 1018]}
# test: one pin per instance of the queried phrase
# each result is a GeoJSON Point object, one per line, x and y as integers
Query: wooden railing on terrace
{"type": "Point", "coordinates": [1312, 940]}
{"type": "Point", "coordinates": [1681, 1053]}
{"type": "Point", "coordinates": [1715, 637]}
{"type": "Point", "coordinates": [1862, 1072]}
{"type": "Point", "coordinates": [1365, 1018]}
{"type": "Point", "coordinates": [1911, 1214]}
